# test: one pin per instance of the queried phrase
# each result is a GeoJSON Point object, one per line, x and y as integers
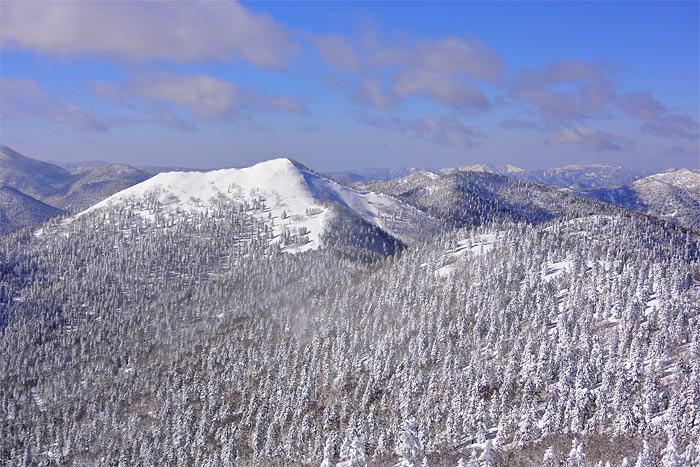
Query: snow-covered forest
{"type": "Point", "coordinates": [139, 335]}
{"type": "Point", "coordinates": [349, 233]}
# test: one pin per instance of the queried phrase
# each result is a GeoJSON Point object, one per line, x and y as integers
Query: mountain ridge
{"type": "Point", "coordinates": [294, 199]}
{"type": "Point", "coordinates": [671, 195]}
{"type": "Point", "coordinates": [62, 190]}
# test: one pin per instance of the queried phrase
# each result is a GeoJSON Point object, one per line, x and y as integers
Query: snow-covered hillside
{"type": "Point", "coordinates": [473, 198]}
{"type": "Point", "coordinates": [673, 195]}
{"type": "Point", "coordinates": [583, 176]}
{"type": "Point", "coordinates": [571, 176]}
{"type": "Point", "coordinates": [36, 191]}
{"type": "Point", "coordinates": [292, 198]}
{"type": "Point", "coordinates": [506, 169]}
{"type": "Point", "coordinates": [165, 327]}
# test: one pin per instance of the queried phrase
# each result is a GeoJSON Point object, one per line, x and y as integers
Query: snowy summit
{"type": "Point", "coordinates": [291, 197]}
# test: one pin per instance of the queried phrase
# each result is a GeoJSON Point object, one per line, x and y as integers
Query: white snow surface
{"type": "Point", "coordinates": [294, 197]}
{"type": "Point", "coordinates": [556, 269]}
{"type": "Point", "coordinates": [477, 245]}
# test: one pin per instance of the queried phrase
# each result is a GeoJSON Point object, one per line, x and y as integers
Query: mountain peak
{"type": "Point", "coordinates": [281, 192]}
{"type": "Point", "coordinates": [277, 164]}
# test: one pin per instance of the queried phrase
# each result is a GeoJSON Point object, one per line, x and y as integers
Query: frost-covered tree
{"type": "Point", "coordinates": [408, 445]}
{"type": "Point", "coordinates": [550, 458]}
{"type": "Point", "coordinates": [577, 456]}
{"type": "Point", "coordinates": [644, 459]}
{"type": "Point", "coordinates": [329, 452]}
{"type": "Point", "coordinates": [487, 457]}
{"type": "Point", "coordinates": [193, 338]}
{"type": "Point", "coordinates": [671, 456]}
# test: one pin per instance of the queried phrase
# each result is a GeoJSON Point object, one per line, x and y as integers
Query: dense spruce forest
{"type": "Point", "coordinates": [133, 335]}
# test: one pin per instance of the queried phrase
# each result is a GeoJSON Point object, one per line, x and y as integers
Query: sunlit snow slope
{"type": "Point", "coordinates": [294, 198]}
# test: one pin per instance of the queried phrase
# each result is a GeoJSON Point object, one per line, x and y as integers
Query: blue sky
{"type": "Point", "coordinates": [342, 85]}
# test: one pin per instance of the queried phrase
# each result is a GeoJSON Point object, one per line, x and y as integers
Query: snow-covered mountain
{"type": "Point", "coordinates": [18, 210]}
{"type": "Point", "coordinates": [366, 175]}
{"type": "Point", "coordinates": [571, 176]}
{"type": "Point", "coordinates": [60, 189]}
{"type": "Point", "coordinates": [506, 169]}
{"type": "Point", "coordinates": [37, 179]}
{"type": "Point", "coordinates": [473, 198]}
{"type": "Point", "coordinates": [130, 336]}
{"type": "Point", "coordinates": [89, 186]}
{"type": "Point", "coordinates": [583, 176]}
{"type": "Point", "coordinates": [433, 317]}
{"type": "Point", "coordinates": [293, 200]}
{"type": "Point", "coordinates": [81, 166]}
{"type": "Point", "coordinates": [673, 195]}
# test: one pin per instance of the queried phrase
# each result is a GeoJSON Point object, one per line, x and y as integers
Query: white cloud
{"type": "Point", "coordinates": [586, 90]}
{"type": "Point", "coordinates": [681, 126]}
{"type": "Point", "coordinates": [337, 51]}
{"type": "Point", "coordinates": [206, 97]}
{"type": "Point", "coordinates": [441, 88]}
{"type": "Point", "coordinates": [458, 56]}
{"type": "Point", "coordinates": [641, 105]}
{"type": "Point", "coordinates": [369, 92]}
{"type": "Point", "coordinates": [448, 130]}
{"type": "Point", "coordinates": [445, 70]}
{"type": "Point", "coordinates": [595, 140]}
{"type": "Point", "coordinates": [25, 98]}
{"type": "Point", "coordinates": [170, 97]}
{"type": "Point", "coordinates": [141, 31]}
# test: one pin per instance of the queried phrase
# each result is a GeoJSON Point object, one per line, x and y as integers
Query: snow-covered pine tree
{"type": "Point", "coordinates": [550, 458]}
{"type": "Point", "coordinates": [408, 446]}
{"type": "Point", "coordinates": [671, 456]}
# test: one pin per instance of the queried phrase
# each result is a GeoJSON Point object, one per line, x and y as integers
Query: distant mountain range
{"type": "Point", "coordinates": [673, 196]}
{"type": "Point", "coordinates": [473, 198]}
{"type": "Point", "coordinates": [570, 176]}
{"type": "Point", "coordinates": [365, 175]}
{"type": "Point", "coordinates": [34, 191]}
{"type": "Point", "coordinates": [149, 169]}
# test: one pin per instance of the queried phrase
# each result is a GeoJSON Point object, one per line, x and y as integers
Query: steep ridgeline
{"type": "Point", "coordinates": [673, 196]}
{"type": "Point", "coordinates": [34, 178]}
{"type": "Point", "coordinates": [301, 209]}
{"type": "Point", "coordinates": [60, 189]}
{"type": "Point", "coordinates": [474, 198]}
{"type": "Point", "coordinates": [163, 339]}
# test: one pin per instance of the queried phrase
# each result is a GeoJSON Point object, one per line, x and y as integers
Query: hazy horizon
{"type": "Point", "coordinates": [71, 164]}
